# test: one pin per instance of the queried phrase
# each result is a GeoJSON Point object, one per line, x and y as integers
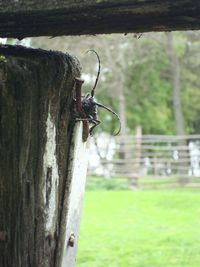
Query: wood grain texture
{"type": "Point", "coordinates": [36, 129]}
{"type": "Point", "coordinates": [54, 18]}
{"type": "Point", "coordinates": [77, 171]}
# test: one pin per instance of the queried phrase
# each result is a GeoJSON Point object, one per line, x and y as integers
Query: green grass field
{"type": "Point", "coordinates": [140, 229]}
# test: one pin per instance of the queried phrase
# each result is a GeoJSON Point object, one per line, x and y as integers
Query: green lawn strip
{"type": "Point", "coordinates": [122, 183]}
{"type": "Point", "coordinates": [141, 229]}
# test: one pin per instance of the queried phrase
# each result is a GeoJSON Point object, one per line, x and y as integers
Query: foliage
{"type": "Point", "coordinates": [142, 229]}
{"type": "Point", "coordinates": [2, 59]}
{"type": "Point", "coordinates": [140, 70]}
{"type": "Point", "coordinates": [190, 80]}
{"type": "Point", "coordinates": [149, 95]}
{"type": "Point", "coordinates": [150, 83]}
{"type": "Point", "coordinates": [104, 183]}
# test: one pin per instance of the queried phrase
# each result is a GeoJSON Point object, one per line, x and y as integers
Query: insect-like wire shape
{"type": "Point", "coordinates": [89, 104]}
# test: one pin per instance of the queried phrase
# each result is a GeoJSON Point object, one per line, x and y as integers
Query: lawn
{"type": "Point", "coordinates": [140, 229]}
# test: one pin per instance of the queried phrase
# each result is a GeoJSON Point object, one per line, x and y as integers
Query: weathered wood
{"type": "Point", "coordinates": [71, 221]}
{"type": "Point", "coordinates": [37, 147]}
{"type": "Point", "coordinates": [36, 18]}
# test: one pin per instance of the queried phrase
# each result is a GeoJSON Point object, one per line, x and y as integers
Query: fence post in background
{"type": "Point", "coordinates": [124, 154]}
{"type": "Point", "coordinates": [183, 155]}
{"type": "Point", "coordinates": [133, 178]}
{"type": "Point", "coordinates": [155, 167]}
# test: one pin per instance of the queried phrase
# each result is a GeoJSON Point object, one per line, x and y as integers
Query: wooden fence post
{"type": "Point", "coordinates": [39, 179]}
{"type": "Point", "coordinates": [137, 157]}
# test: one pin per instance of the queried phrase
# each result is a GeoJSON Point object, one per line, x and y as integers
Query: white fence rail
{"type": "Point", "coordinates": [174, 160]}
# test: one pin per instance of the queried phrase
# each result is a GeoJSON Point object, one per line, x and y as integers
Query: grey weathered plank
{"type": "Point", "coordinates": [36, 18]}
{"type": "Point", "coordinates": [38, 157]}
{"type": "Point", "coordinates": [74, 198]}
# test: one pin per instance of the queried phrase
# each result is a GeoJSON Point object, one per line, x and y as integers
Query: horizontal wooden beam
{"type": "Point", "coordinates": [28, 18]}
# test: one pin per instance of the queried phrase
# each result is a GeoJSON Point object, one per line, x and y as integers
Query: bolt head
{"type": "Point", "coordinates": [71, 240]}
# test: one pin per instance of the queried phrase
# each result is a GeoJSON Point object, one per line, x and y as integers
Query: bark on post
{"type": "Point", "coordinates": [36, 156]}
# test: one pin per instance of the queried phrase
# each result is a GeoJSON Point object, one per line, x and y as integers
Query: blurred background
{"type": "Point", "coordinates": [142, 202]}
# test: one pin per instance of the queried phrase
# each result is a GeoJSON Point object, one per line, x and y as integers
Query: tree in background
{"type": "Point", "coordinates": [175, 75]}
{"type": "Point", "coordinates": [136, 78]}
{"type": "Point", "coordinates": [148, 100]}
{"type": "Point", "coordinates": [152, 82]}
{"type": "Point", "coordinates": [164, 80]}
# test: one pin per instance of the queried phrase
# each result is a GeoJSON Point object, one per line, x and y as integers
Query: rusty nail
{"type": "Point", "coordinates": [71, 240]}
